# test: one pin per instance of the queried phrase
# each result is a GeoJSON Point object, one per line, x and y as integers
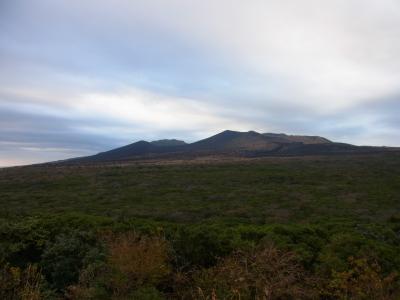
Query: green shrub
{"type": "Point", "coordinates": [134, 265]}
{"type": "Point", "coordinates": [362, 280]}
{"type": "Point", "coordinates": [21, 284]}
{"type": "Point", "coordinates": [67, 255]}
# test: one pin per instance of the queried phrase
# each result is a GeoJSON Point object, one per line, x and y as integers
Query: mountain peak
{"type": "Point", "coordinates": [237, 133]}
{"type": "Point", "coordinates": [168, 142]}
{"type": "Point", "coordinates": [229, 142]}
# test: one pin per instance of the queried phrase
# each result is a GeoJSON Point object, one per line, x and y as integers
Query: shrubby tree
{"type": "Point", "coordinates": [67, 255]}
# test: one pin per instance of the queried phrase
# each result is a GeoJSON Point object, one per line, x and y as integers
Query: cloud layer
{"type": "Point", "coordinates": [78, 77]}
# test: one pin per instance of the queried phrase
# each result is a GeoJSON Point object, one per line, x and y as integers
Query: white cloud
{"type": "Point", "coordinates": [330, 55]}
{"type": "Point", "coordinates": [126, 112]}
{"type": "Point", "coordinates": [154, 111]}
{"type": "Point", "coordinates": [144, 69]}
{"type": "Point", "coordinates": [325, 56]}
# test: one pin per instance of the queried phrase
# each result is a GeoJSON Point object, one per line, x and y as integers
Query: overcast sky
{"type": "Point", "coordinates": [78, 77]}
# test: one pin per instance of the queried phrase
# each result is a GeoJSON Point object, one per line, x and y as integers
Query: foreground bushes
{"type": "Point", "coordinates": [363, 280]}
{"type": "Point", "coordinates": [264, 272]}
{"type": "Point", "coordinates": [77, 259]}
{"type": "Point", "coordinates": [138, 265]}
{"type": "Point", "coordinates": [26, 284]}
{"type": "Point", "coordinates": [133, 262]}
{"type": "Point", "coordinates": [64, 257]}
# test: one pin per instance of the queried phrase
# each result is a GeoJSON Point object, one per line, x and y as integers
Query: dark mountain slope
{"type": "Point", "coordinates": [284, 138]}
{"type": "Point", "coordinates": [300, 149]}
{"type": "Point", "coordinates": [136, 149]}
{"type": "Point", "coordinates": [168, 143]}
{"type": "Point", "coordinates": [234, 141]}
{"type": "Point", "coordinates": [246, 144]}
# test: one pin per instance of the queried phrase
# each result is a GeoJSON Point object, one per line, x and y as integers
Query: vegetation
{"type": "Point", "coordinates": [284, 228]}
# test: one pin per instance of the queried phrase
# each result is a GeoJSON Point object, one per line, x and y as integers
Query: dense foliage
{"type": "Point", "coordinates": [281, 229]}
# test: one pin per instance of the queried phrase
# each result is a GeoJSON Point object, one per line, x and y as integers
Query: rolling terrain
{"type": "Point", "coordinates": [269, 189]}
{"type": "Point", "coordinates": [233, 215]}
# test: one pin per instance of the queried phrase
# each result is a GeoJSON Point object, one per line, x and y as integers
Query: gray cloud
{"type": "Point", "coordinates": [80, 77]}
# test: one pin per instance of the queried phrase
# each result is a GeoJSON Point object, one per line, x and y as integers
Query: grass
{"type": "Point", "coordinates": [250, 191]}
{"type": "Point", "coordinates": [203, 229]}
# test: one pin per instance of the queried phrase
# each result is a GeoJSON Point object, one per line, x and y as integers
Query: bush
{"type": "Point", "coordinates": [67, 255]}
{"type": "Point", "coordinates": [260, 273]}
{"type": "Point", "coordinates": [202, 245]}
{"type": "Point", "coordinates": [147, 293]}
{"type": "Point", "coordinates": [134, 265]}
{"type": "Point", "coordinates": [21, 284]}
{"type": "Point", "coordinates": [363, 280]}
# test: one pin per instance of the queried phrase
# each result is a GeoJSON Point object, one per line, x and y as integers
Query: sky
{"type": "Point", "coordinates": [79, 77]}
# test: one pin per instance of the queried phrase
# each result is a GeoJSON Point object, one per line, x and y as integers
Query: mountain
{"type": "Point", "coordinates": [232, 143]}
{"type": "Point", "coordinates": [284, 138]}
{"type": "Point", "coordinates": [167, 143]}
{"type": "Point", "coordinates": [130, 151]}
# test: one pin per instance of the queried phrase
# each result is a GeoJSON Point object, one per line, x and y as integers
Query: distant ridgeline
{"type": "Point", "coordinates": [232, 143]}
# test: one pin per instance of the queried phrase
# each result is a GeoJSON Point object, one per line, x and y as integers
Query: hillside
{"type": "Point", "coordinates": [304, 139]}
{"type": "Point", "coordinates": [234, 141]}
{"type": "Point", "coordinates": [321, 227]}
{"type": "Point", "coordinates": [231, 143]}
{"type": "Point", "coordinates": [168, 143]}
{"type": "Point", "coordinates": [252, 189]}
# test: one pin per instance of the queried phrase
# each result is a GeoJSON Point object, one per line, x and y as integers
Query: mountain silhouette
{"type": "Point", "coordinates": [232, 143]}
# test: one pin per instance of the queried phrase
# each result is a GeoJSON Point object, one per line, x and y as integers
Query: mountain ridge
{"type": "Point", "coordinates": [230, 143]}
{"type": "Point", "coordinates": [168, 142]}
